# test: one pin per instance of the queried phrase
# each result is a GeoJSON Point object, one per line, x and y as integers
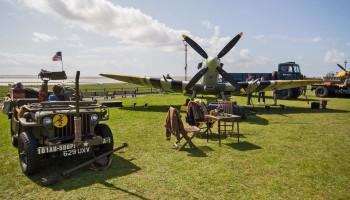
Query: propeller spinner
{"type": "Point", "coordinates": [219, 69]}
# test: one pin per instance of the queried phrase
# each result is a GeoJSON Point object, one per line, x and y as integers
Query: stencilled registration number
{"type": "Point", "coordinates": [73, 152]}
{"type": "Point", "coordinates": [52, 149]}
{"type": "Point", "coordinates": [70, 148]}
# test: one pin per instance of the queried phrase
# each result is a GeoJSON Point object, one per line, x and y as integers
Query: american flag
{"type": "Point", "coordinates": [57, 56]}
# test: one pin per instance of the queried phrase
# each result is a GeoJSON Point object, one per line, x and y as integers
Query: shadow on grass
{"type": "Point", "coordinates": [256, 119]}
{"type": "Point", "coordinates": [111, 186]}
{"type": "Point", "coordinates": [161, 108]}
{"type": "Point", "coordinates": [83, 177]}
{"type": "Point", "coordinates": [151, 108]}
{"type": "Point", "coordinates": [293, 110]}
{"type": "Point", "coordinates": [195, 153]}
{"type": "Point", "coordinates": [199, 152]}
{"type": "Point", "coordinates": [244, 146]}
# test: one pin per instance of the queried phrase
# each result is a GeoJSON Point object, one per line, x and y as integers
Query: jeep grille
{"type": "Point", "coordinates": [68, 130]}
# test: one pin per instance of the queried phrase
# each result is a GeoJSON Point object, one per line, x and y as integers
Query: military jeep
{"type": "Point", "coordinates": [41, 128]}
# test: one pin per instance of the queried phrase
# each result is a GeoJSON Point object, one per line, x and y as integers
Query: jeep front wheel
{"type": "Point", "coordinates": [27, 152]}
{"type": "Point", "coordinates": [104, 131]}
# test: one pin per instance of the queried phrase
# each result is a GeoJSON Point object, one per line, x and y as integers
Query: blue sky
{"type": "Point", "coordinates": [144, 37]}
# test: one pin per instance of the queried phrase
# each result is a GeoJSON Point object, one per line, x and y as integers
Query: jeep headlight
{"type": "Point", "coordinates": [94, 118]}
{"type": "Point", "coordinates": [47, 121]}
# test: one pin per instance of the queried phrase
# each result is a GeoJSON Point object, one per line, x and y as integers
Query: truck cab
{"type": "Point", "coordinates": [289, 71]}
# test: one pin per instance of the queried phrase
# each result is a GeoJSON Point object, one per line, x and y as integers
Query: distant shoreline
{"type": "Point", "coordinates": [6, 80]}
{"type": "Point", "coordinates": [32, 79]}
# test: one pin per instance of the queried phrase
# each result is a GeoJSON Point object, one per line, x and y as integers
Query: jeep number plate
{"type": "Point", "coordinates": [72, 152]}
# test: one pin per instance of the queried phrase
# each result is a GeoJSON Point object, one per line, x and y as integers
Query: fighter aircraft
{"type": "Point", "coordinates": [206, 81]}
{"type": "Point", "coordinates": [343, 74]}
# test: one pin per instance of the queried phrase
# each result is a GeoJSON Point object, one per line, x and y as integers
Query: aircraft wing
{"type": "Point", "coordinates": [159, 83]}
{"type": "Point", "coordinates": [257, 86]}
{"type": "Point", "coordinates": [179, 86]}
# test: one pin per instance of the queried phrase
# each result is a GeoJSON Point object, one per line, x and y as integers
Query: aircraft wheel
{"type": "Point", "coordinates": [27, 153]}
{"type": "Point", "coordinates": [321, 91]}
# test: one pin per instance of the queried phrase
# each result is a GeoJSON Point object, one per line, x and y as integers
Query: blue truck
{"type": "Point", "coordinates": [285, 71]}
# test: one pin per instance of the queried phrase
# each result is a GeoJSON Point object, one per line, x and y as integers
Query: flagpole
{"type": "Point", "coordinates": [62, 63]}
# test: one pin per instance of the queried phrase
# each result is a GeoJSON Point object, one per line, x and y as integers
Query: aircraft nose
{"type": "Point", "coordinates": [213, 63]}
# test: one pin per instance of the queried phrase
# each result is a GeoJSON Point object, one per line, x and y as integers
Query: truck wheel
{"type": "Point", "coordinates": [104, 131]}
{"type": "Point", "coordinates": [296, 93]}
{"type": "Point", "coordinates": [286, 94]}
{"type": "Point", "coordinates": [27, 153]}
{"type": "Point", "coordinates": [321, 91]}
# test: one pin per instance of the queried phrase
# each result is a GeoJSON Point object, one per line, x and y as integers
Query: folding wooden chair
{"type": "Point", "coordinates": [174, 126]}
{"type": "Point", "coordinates": [195, 116]}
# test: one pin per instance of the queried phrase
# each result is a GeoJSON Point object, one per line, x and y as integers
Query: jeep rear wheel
{"type": "Point", "coordinates": [27, 152]}
{"type": "Point", "coordinates": [14, 138]}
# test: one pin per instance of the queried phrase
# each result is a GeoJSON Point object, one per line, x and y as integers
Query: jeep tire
{"type": "Point", "coordinates": [27, 153]}
{"type": "Point", "coordinates": [14, 138]}
{"type": "Point", "coordinates": [103, 130]}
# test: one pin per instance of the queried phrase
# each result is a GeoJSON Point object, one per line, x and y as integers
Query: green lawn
{"type": "Point", "coordinates": [294, 153]}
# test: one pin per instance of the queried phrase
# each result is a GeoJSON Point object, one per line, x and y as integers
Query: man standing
{"type": "Point", "coordinates": [249, 95]}
{"type": "Point", "coordinates": [261, 94]}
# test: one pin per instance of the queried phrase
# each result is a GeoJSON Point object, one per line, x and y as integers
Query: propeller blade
{"type": "Point", "coordinates": [196, 78]}
{"type": "Point", "coordinates": [230, 45]}
{"type": "Point", "coordinates": [195, 46]}
{"type": "Point", "coordinates": [341, 67]}
{"type": "Point", "coordinates": [226, 76]}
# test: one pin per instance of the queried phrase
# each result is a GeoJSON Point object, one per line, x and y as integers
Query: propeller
{"type": "Point", "coordinates": [195, 46]}
{"type": "Point", "coordinates": [341, 67]}
{"type": "Point", "coordinates": [196, 78]}
{"type": "Point", "coordinates": [230, 45]}
{"type": "Point", "coordinates": [226, 76]}
{"type": "Point", "coordinates": [222, 53]}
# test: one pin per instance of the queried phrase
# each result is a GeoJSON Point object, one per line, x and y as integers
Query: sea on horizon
{"type": "Point", "coordinates": [32, 79]}
{"type": "Point", "coordinates": [6, 80]}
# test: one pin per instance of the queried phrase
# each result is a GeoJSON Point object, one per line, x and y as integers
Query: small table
{"type": "Point", "coordinates": [223, 118]}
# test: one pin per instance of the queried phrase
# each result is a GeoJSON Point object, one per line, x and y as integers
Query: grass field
{"type": "Point", "coordinates": [294, 153]}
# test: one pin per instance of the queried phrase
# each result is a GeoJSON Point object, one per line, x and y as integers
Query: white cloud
{"type": "Point", "coordinates": [42, 37]}
{"type": "Point", "coordinates": [74, 37]}
{"type": "Point", "coordinates": [206, 24]}
{"type": "Point", "coordinates": [138, 32]}
{"type": "Point", "coordinates": [265, 38]}
{"type": "Point", "coordinates": [102, 17]}
{"type": "Point", "coordinates": [316, 39]}
{"type": "Point", "coordinates": [76, 41]}
{"type": "Point", "coordinates": [22, 63]}
{"type": "Point", "coordinates": [334, 56]}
